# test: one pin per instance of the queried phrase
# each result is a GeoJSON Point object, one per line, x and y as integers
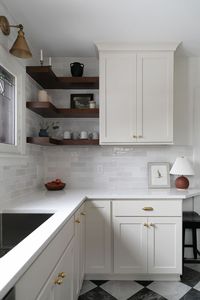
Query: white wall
{"type": "Point", "coordinates": [19, 176]}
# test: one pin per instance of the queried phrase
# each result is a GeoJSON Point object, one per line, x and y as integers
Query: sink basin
{"type": "Point", "coordinates": [14, 227]}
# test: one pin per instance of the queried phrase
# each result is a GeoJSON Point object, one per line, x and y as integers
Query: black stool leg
{"type": "Point", "coordinates": [183, 242]}
{"type": "Point", "coordinates": [194, 239]}
{"type": "Point", "coordinates": [198, 252]}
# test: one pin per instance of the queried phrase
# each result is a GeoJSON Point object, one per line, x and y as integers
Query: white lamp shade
{"type": "Point", "coordinates": [182, 166]}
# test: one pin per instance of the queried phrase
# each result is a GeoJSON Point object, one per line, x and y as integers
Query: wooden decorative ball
{"type": "Point", "coordinates": [182, 183]}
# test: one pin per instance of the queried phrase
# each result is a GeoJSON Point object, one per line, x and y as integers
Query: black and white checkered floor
{"type": "Point", "coordinates": [188, 288]}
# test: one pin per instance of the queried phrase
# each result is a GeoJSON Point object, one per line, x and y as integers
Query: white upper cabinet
{"type": "Point", "coordinates": [136, 94]}
{"type": "Point", "coordinates": [155, 97]}
{"type": "Point", "coordinates": [118, 97]}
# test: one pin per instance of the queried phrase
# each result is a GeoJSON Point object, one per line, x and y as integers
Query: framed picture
{"type": "Point", "coordinates": [81, 100]}
{"type": "Point", "coordinates": [158, 175]}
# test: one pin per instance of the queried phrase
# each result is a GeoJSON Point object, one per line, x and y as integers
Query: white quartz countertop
{"type": "Point", "coordinates": [63, 204]}
{"type": "Point", "coordinates": [51, 201]}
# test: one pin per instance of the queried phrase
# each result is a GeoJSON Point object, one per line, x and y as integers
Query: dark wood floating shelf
{"type": "Point", "coordinates": [46, 141]}
{"type": "Point", "coordinates": [43, 141]}
{"type": "Point", "coordinates": [48, 110]}
{"type": "Point", "coordinates": [48, 80]}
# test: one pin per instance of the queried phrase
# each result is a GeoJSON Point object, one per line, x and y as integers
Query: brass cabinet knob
{"type": "Point", "coordinates": [135, 136]}
{"type": "Point", "coordinates": [152, 225]}
{"type": "Point", "coordinates": [58, 281]}
{"type": "Point", "coordinates": [62, 274]}
{"type": "Point", "coordinates": [77, 221]}
{"type": "Point", "coordinates": [146, 225]}
{"type": "Point", "coordinates": [148, 208]}
{"type": "Point", "coordinates": [83, 214]}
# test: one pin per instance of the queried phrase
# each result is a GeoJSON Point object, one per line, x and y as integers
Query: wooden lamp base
{"type": "Point", "coordinates": [182, 183]}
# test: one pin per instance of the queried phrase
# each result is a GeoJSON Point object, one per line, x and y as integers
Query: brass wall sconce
{"type": "Point", "coordinates": [20, 47]}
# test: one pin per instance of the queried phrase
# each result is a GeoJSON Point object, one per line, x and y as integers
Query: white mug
{"type": "Point", "coordinates": [92, 104]}
{"type": "Point", "coordinates": [95, 135]}
{"type": "Point", "coordinates": [84, 135]}
{"type": "Point", "coordinates": [43, 96]}
{"type": "Point", "coordinates": [67, 135]}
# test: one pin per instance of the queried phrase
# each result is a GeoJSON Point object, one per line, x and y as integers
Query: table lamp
{"type": "Point", "coordinates": [182, 167]}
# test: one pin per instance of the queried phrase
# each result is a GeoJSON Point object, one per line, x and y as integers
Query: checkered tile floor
{"type": "Point", "coordinates": [187, 289]}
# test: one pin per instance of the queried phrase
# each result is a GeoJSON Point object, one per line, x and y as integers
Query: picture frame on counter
{"type": "Point", "coordinates": [81, 101]}
{"type": "Point", "coordinates": [158, 175]}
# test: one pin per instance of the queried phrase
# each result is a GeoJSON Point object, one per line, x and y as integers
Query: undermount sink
{"type": "Point", "coordinates": [14, 227]}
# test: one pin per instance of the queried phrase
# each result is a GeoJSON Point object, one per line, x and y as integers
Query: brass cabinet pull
{"type": "Point", "coordinates": [58, 281]}
{"type": "Point", "coordinates": [135, 136]}
{"type": "Point", "coordinates": [77, 221]}
{"type": "Point", "coordinates": [140, 136]}
{"type": "Point", "coordinates": [62, 274]}
{"type": "Point", "coordinates": [152, 225]}
{"type": "Point", "coordinates": [83, 214]}
{"type": "Point", "coordinates": [146, 225]}
{"type": "Point", "coordinates": [148, 208]}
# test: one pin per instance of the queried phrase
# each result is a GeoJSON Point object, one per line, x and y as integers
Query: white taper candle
{"type": "Point", "coordinates": [41, 55]}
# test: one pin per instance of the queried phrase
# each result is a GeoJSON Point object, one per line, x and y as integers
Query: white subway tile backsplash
{"type": "Point", "coordinates": [107, 166]}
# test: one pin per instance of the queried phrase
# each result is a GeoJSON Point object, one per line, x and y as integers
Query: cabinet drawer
{"type": "Point", "coordinates": [147, 208]}
{"type": "Point", "coordinates": [35, 277]}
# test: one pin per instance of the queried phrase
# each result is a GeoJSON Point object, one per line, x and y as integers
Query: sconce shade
{"type": "Point", "coordinates": [182, 166]}
{"type": "Point", "coordinates": [20, 47]}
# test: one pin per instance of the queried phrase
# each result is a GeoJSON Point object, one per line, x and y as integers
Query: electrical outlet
{"type": "Point", "coordinates": [99, 169]}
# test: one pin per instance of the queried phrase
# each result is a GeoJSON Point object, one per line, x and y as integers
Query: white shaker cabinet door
{"type": "Point", "coordinates": [59, 286]}
{"type": "Point", "coordinates": [82, 244]}
{"type": "Point", "coordinates": [155, 97]}
{"type": "Point", "coordinates": [130, 245]}
{"type": "Point", "coordinates": [165, 245]}
{"type": "Point", "coordinates": [77, 254]}
{"type": "Point", "coordinates": [117, 98]}
{"type": "Point", "coordinates": [98, 237]}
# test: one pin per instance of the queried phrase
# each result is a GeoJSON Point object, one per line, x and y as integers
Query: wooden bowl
{"type": "Point", "coordinates": [55, 186]}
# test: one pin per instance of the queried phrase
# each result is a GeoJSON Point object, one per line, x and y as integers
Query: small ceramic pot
{"type": "Point", "coordinates": [95, 135]}
{"type": "Point", "coordinates": [75, 135]}
{"type": "Point", "coordinates": [67, 135]}
{"type": "Point", "coordinates": [92, 104]}
{"type": "Point", "coordinates": [77, 69]}
{"type": "Point", "coordinates": [43, 96]}
{"type": "Point", "coordinates": [84, 135]}
{"type": "Point", "coordinates": [43, 133]}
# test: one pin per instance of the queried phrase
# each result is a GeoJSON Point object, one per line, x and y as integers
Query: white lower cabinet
{"type": "Point", "coordinates": [59, 286]}
{"type": "Point", "coordinates": [82, 244]}
{"type": "Point", "coordinates": [148, 244]}
{"type": "Point", "coordinates": [98, 237]}
{"type": "Point", "coordinates": [79, 249]}
{"type": "Point", "coordinates": [102, 244]}
{"type": "Point", "coordinates": [57, 257]}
